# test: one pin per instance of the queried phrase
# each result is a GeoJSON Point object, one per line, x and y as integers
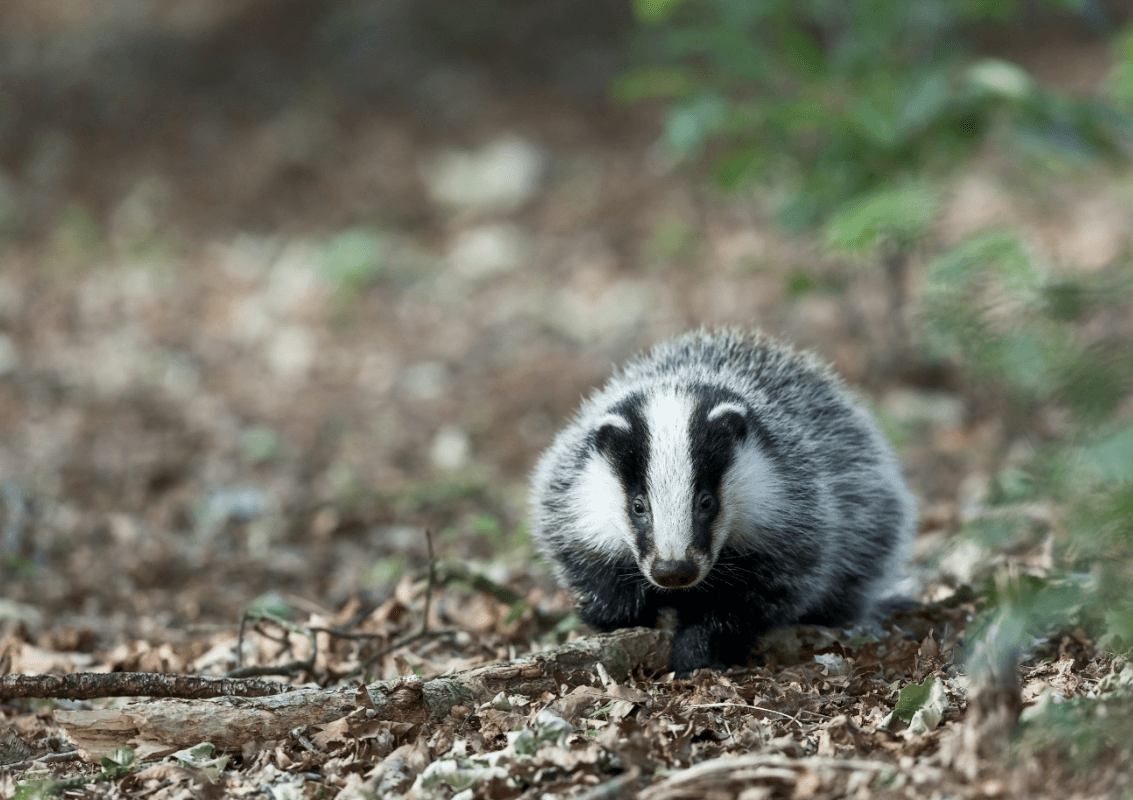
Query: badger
{"type": "Point", "coordinates": [732, 479]}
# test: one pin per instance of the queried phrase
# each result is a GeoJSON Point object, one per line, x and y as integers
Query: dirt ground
{"type": "Point", "coordinates": [271, 307]}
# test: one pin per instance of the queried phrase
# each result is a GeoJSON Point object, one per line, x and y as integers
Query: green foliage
{"type": "Point", "coordinates": [911, 699]}
{"type": "Point", "coordinates": [899, 214]}
{"type": "Point", "coordinates": [849, 99]}
{"type": "Point", "coordinates": [1084, 729]}
{"type": "Point", "coordinates": [260, 444]}
{"type": "Point", "coordinates": [989, 306]}
{"type": "Point", "coordinates": [353, 259]}
{"type": "Point", "coordinates": [269, 605]}
{"type": "Point", "coordinates": [76, 243]}
{"type": "Point", "coordinates": [121, 757]}
{"type": "Point", "coordinates": [385, 571]}
{"type": "Point", "coordinates": [203, 757]}
{"type": "Point", "coordinates": [672, 241]}
{"type": "Point", "coordinates": [856, 114]}
{"type": "Point", "coordinates": [920, 706]}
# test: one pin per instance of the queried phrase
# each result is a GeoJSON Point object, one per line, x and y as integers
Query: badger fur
{"type": "Point", "coordinates": [731, 479]}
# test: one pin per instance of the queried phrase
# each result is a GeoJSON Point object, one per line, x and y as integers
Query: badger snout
{"type": "Point", "coordinates": [674, 574]}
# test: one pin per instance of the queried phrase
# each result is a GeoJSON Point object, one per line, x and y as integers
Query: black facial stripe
{"type": "Point", "coordinates": [628, 454]}
{"type": "Point", "coordinates": [713, 445]}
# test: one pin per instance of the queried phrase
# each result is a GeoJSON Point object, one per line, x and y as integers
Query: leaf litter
{"type": "Point", "coordinates": [190, 429]}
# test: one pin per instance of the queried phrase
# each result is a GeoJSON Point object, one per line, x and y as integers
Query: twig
{"type": "Point", "coordinates": [364, 667]}
{"type": "Point", "coordinates": [346, 635]}
{"type": "Point", "coordinates": [292, 668]}
{"type": "Point", "coordinates": [48, 758]}
{"type": "Point", "coordinates": [729, 767]}
{"type": "Point", "coordinates": [298, 736]}
{"type": "Point", "coordinates": [429, 585]}
{"type": "Point", "coordinates": [481, 583]}
{"type": "Point", "coordinates": [749, 708]}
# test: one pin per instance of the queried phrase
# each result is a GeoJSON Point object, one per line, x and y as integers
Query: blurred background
{"type": "Point", "coordinates": [283, 284]}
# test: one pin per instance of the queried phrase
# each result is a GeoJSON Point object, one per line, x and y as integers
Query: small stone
{"type": "Point", "coordinates": [605, 317]}
{"type": "Point", "coordinates": [488, 250]}
{"type": "Point", "coordinates": [977, 203]}
{"type": "Point", "coordinates": [425, 380]}
{"type": "Point", "coordinates": [1094, 234]}
{"type": "Point", "coordinates": [501, 176]}
{"type": "Point", "coordinates": [291, 352]}
{"type": "Point", "coordinates": [934, 408]}
{"type": "Point", "coordinates": [237, 503]}
{"type": "Point", "coordinates": [451, 450]}
{"type": "Point", "coordinates": [294, 283]}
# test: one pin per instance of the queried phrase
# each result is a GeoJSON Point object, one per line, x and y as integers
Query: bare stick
{"type": "Point", "coordinates": [49, 758]}
{"type": "Point", "coordinates": [429, 585]}
{"type": "Point", "coordinates": [292, 668]}
{"type": "Point", "coordinates": [364, 667]}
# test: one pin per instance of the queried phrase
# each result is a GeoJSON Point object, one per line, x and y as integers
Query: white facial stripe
{"type": "Point", "coordinates": [669, 478]}
{"type": "Point", "coordinates": [751, 495]}
{"type": "Point", "coordinates": [727, 408]}
{"type": "Point", "coordinates": [614, 420]}
{"type": "Point", "coordinates": [600, 504]}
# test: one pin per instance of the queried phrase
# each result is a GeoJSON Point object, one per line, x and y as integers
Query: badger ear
{"type": "Point", "coordinates": [609, 429]}
{"type": "Point", "coordinates": [731, 417]}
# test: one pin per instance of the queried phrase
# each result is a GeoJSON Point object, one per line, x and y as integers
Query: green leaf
{"type": "Point", "coordinates": [689, 124]}
{"type": "Point", "coordinates": [353, 258]}
{"type": "Point", "coordinates": [737, 166]}
{"type": "Point", "coordinates": [912, 699]}
{"type": "Point", "coordinates": [876, 123]}
{"type": "Point", "coordinates": [648, 83]}
{"type": "Point", "coordinates": [653, 12]}
{"type": "Point", "coordinates": [902, 213]}
{"type": "Point", "coordinates": [121, 757]}
{"type": "Point", "coordinates": [269, 604]}
{"type": "Point", "coordinates": [924, 103]}
{"type": "Point", "coordinates": [1112, 457]}
{"type": "Point", "coordinates": [203, 756]}
{"type": "Point", "coordinates": [999, 252]}
{"type": "Point", "coordinates": [803, 52]}
{"type": "Point", "coordinates": [1000, 78]}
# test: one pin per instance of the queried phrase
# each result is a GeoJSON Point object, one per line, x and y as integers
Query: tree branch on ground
{"type": "Point", "coordinates": [87, 685]}
{"type": "Point", "coordinates": [160, 727]}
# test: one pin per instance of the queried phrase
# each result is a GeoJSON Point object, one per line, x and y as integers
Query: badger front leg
{"type": "Point", "coordinates": [614, 602]}
{"type": "Point", "coordinates": [713, 638]}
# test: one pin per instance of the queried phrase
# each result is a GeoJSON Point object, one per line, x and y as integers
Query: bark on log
{"type": "Point", "coordinates": [159, 727]}
{"type": "Point", "coordinates": [88, 685]}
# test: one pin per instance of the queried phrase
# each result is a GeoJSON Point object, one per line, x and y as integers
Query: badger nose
{"type": "Point", "coordinates": [674, 574]}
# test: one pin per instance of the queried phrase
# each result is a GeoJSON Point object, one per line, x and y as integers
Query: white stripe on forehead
{"type": "Point", "coordinates": [669, 478]}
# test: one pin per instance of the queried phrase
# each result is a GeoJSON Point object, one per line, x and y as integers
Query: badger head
{"type": "Point", "coordinates": [673, 475]}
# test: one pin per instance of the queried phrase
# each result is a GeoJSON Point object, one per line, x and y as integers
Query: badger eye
{"type": "Point", "coordinates": [638, 506]}
{"type": "Point", "coordinates": [705, 502]}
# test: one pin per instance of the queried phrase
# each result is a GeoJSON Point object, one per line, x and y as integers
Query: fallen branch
{"type": "Point", "coordinates": [89, 685]}
{"type": "Point", "coordinates": [157, 728]}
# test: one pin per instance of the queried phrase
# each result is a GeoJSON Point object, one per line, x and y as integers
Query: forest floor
{"type": "Point", "coordinates": [264, 327]}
